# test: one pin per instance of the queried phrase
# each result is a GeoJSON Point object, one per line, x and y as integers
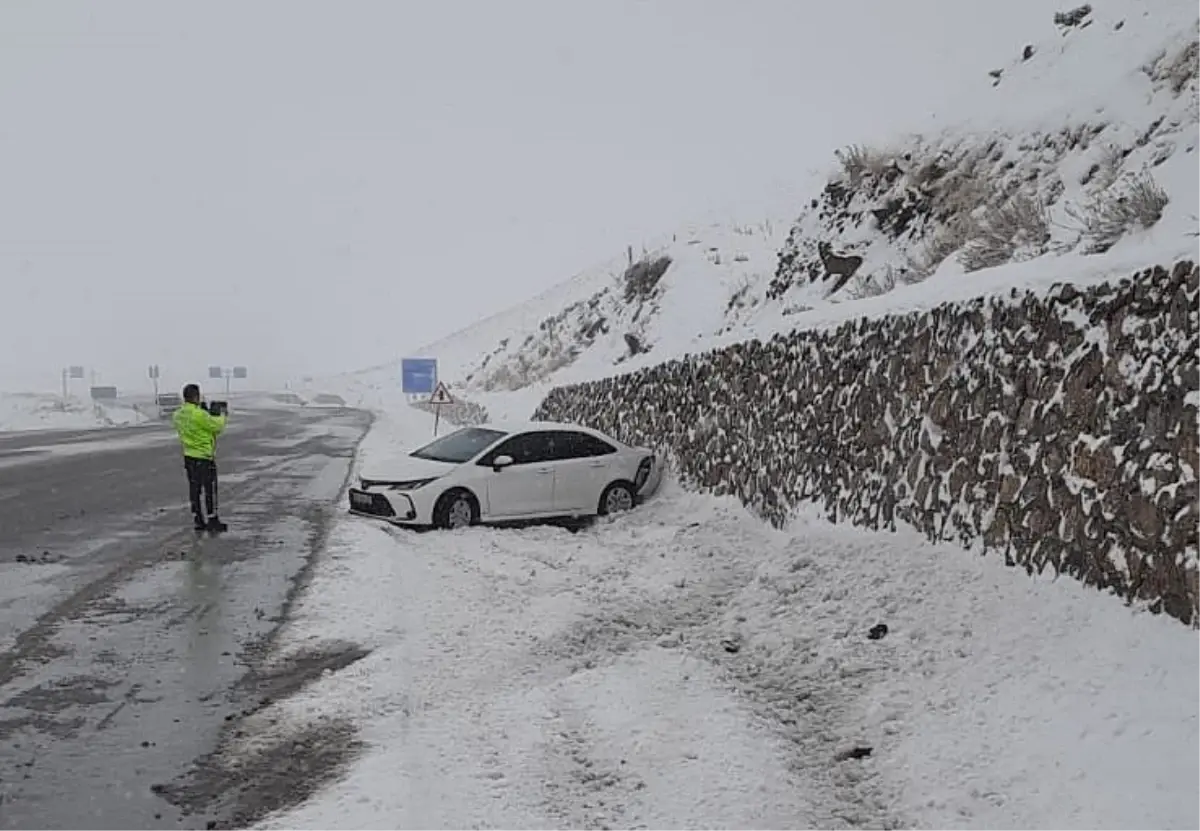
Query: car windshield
{"type": "Point", "coordinates": [460, 446]}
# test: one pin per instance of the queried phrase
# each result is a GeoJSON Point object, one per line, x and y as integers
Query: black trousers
{"type": "Point", "coordinates": [202, 476]}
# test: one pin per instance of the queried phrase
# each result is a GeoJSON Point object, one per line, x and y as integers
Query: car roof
{"type": "Point", "coordinates": [528, 426]}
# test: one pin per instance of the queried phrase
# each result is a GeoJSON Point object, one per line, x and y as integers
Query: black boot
{"type": "Point", "coordinates": [216, 526]}
{"type": "Point", "coordinates": [199, 523]}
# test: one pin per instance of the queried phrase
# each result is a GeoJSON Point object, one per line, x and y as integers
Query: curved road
{"type": "Point", "coordinates": [128, 647]}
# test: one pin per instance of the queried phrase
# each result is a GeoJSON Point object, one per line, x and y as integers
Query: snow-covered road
{"type": "Point", "coordinates": [686, 666]}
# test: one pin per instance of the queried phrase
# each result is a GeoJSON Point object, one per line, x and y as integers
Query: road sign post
{"type": "Point", "coordinates": [69, 372]}
{"type": "Point", "coordinates": [153, 372]}
{"type": "Point", "coordinates": [440, 396]}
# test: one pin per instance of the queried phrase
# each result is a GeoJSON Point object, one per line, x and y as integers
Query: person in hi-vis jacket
{"type": "Point", "coordinates": [198, 430]}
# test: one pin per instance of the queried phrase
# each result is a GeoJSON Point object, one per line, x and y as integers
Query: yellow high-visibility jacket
{"type": "Point", "coordinates": [198, 430]}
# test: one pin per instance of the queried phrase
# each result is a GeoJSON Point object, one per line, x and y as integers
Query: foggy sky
{"type": "Point", "coordinates": [312, 187]}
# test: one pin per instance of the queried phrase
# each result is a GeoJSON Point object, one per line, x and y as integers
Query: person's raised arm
{"type": "Point", "coordinates": [213, 424]}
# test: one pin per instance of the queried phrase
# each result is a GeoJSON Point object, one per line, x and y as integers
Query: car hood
{"type": "Point", "coordinates": [404, 468]}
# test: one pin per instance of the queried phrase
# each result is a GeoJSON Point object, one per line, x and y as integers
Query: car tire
{"type": "Point", "coordinates": [453, 507]}
{"type": "Point", "coordinates": [618, 497]}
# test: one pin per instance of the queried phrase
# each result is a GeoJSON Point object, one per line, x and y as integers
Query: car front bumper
{"type": "Point", "coordinates": [399, 507]}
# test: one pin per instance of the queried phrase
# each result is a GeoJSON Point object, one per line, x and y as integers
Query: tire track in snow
{"type": "Point", "coordinates": [811, 705]}
{"type": "Point", "coordinates": [588, 793]}
{"type": "Point", "coordinates": [574, 680]}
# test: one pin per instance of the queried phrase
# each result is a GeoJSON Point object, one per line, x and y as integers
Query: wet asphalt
{"type": "Point", "coordinates": [130, 648]}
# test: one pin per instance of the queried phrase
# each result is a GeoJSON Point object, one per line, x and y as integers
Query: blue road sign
{"type": "Point", "coordinates": [418, 376]}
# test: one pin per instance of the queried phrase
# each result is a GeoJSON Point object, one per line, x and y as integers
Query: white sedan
{"type": "Point", "coordinates": [503, 474]}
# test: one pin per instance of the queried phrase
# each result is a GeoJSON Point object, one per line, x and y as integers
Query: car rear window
{"type": "Point", "coordinates": [460, 446]}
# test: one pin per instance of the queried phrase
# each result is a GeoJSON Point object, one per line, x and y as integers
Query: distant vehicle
{"type": "Point", "coordinates": [504, 474]}
{"type": "Point", "coordinates": [326, 399]}
{"type": "Point", "coordinates": [168, 403]}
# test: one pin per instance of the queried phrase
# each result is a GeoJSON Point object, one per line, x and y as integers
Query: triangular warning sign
{"type": "Point", "coordinates": [441, 395]}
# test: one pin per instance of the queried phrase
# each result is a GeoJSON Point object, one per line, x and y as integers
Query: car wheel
{"type": "Point", "coordinates": [456, 509]}
{"type": "Point", "coordinates": [616, 498]}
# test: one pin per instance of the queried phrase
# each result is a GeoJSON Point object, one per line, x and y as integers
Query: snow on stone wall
{"type": "Point", "coordinates": [460, 413]}
{"type": "Point", "coordinates": [1059, 429]}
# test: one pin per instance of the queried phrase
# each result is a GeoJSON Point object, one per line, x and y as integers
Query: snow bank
{"type": "Point", "coordinates": [38, 411]}
{"type": "Point", "coordinates": [687, 666]}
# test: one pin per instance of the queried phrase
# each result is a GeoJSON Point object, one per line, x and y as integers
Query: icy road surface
{"type": "Point", "coordinates": [126, 648]}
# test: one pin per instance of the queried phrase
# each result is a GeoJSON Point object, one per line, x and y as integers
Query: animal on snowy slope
{"type": "Point", "coordinates": [835, 265]}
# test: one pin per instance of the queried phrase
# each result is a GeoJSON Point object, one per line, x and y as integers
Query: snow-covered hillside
{"type": "Point", "coordinates": [1075, 159]}
{"type": "Point", "coordinates": [38, 411]}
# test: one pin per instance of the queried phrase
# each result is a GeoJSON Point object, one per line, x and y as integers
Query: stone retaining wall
{"type": "Point", "coordinates": [1059, 429]}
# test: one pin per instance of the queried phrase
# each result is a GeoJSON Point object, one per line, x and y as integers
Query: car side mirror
{"type": "Point", "coordinates": [501, 462]}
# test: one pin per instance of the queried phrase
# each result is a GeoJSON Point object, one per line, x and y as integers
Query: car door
{"type": "Point", "coordinates": [582, 471]}
{"type": "Point", "coordinates": [526, 486]}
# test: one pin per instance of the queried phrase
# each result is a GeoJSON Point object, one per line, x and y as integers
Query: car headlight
{"type": "Point", "coordinates": [410, 485]}
{"type": "Point", "coordinates": [402, 485]}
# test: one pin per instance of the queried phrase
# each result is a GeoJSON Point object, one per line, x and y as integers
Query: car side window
{"type": "Point", "coordinates": [584, 445]}
{"type": "Point", "coordinates": [514, 446]}
{"type": "Point", "coordinates": [563, 445]}
{"type": "Point", "coordinates": [543, 446]}
{"type": "Point", "coordinates": [525, 449]}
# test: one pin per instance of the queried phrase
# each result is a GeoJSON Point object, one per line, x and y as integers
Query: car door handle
{"type": "Point", "coordinates": [545, 470]}
{"type": "Point", "coordinates": [597, 464]}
